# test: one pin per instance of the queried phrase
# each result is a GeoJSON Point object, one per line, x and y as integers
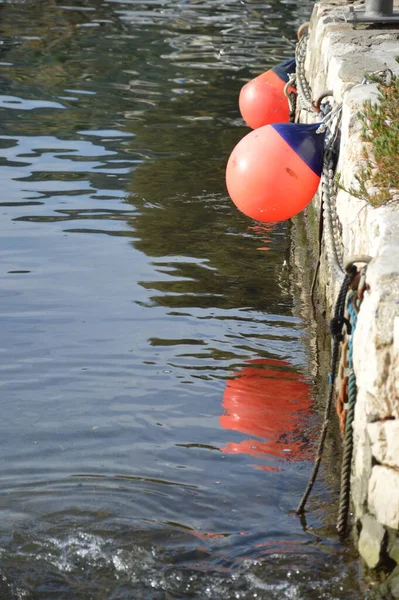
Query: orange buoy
{"type": "Point", "coordinates": [262, 100]}
{"type": "Point", "coordinates": [270, 403]}
{"type": "Point", "coordinates": [274, 171]}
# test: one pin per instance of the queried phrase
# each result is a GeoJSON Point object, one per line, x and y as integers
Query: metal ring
{"type": "Point", "coordinates": [385, 75]}
{"type": "Point", "coordinates": [321, 98]}
{"type": "Point", "coordinates": [362, 286]}
{"type": "Point", "coordinates": [389, 73]}
{"type": "Point", "coordinates": [302, 29]}
{"type": "Point", "coordinates": [289, 83]}
{"type": "Point", "coordinates": [362, 258]}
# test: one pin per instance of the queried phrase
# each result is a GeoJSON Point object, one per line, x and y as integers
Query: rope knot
{"type": "Point", "coordinates": [337, 328]}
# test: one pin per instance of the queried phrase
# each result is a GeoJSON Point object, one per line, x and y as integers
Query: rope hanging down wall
{"type": "Point", "coordinates": [353, 284]}
{"type": "Point", "coordinates": [354, 300]}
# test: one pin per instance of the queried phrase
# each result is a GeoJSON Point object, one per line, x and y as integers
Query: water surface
{"type": "Point", "coordinates": [158, 383]}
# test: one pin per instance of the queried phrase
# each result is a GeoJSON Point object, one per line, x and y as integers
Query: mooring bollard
{"type": "Point", "coordinates": [376, 11]}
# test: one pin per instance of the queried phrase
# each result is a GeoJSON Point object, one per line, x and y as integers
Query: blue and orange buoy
{"type": "Point", "coordinates": [274, 171]}
{"type": "Point", "coordinates": [262, 100]}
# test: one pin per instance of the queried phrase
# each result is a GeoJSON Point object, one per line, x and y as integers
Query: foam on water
{"type": "Point", "coordinates": [140, 563]}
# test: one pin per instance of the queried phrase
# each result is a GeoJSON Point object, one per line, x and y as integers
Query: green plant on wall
{"type": "Point", "coordinates": [380, 130]}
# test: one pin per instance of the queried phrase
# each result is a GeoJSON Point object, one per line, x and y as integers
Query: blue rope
{"type": "Point", "coordinates": [353, 320]}
{"type": "Point", "coordinates": [348, 435]}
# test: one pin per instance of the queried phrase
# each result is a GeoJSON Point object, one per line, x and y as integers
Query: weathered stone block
{"type": "Point", "coordinates": [370, 541]}
{"type": "Point", "coordinates": [361, 471]}
{"type": "Point", "coordinates": [393, 583]}
{"type": "Point", "coordinates": [393, 545]}
{"type": "Point", "coordinates": [384, 436]}
{"type": "Point", "coordinates": [383, 496]}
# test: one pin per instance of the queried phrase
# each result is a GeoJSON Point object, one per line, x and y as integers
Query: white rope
{"type": "Point", "coordinates": [302, 85]}
{"type": "Point", "coordinates": [332, 235]}
{"type": "Point", "coordinates": [329, 125]}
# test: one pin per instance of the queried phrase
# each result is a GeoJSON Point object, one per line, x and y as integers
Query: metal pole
{"type": "Point", "coordinates": [379, 8]}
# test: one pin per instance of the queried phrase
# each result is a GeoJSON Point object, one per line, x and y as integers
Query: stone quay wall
{"type": "Point", "coordinates": [338, 57]}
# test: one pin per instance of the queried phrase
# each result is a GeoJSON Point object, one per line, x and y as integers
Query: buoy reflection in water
{"type": "Point", "coordinates": [270, 403]}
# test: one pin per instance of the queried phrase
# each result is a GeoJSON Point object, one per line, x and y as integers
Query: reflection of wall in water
{"type": "Point", "coordinates": [190, 221]}
{"type": "Point", "coordinates": [302, 265]}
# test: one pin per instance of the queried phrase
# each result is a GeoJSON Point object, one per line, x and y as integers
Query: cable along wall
{"type": "Point", "coordinates": [338, 55]}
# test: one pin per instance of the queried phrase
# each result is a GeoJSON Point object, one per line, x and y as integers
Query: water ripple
{"type": "Point", "coordinates": [157, 408]}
